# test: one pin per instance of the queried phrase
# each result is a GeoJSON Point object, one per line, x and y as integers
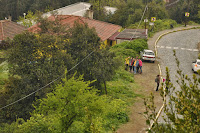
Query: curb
{"type": "Point", "coordinates": [171, 32]}
{"type": "Point", "coordinates": [160, 110]}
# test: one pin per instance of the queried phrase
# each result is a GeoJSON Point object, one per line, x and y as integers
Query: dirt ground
{"type": "Point", "coordinates": [146, 85]}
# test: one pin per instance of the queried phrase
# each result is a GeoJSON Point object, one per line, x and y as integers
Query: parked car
{"type": "Point", "coordinates": [148, 55]}
{"type": "Point", "coordinates": [196, 65]}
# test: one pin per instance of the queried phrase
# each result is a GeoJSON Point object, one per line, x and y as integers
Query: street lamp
{"type": "Point", "coordinates": [24, 15]}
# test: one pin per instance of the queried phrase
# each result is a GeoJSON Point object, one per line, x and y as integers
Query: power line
{"type": "Point", "coordinates": [172, 3]}
{"type": "Point", "coordinates": [46, 84]}
{"type": "Point", "coordinates": [139, 22]}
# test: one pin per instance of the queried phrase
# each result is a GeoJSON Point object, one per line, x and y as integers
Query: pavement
{"type": "Point", "coordinates": [151, 41]}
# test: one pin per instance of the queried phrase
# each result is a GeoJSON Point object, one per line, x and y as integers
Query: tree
{"type": "Point", "coordinates": [181, 110]}
{"type": "Point", "coordinates": [73, 106]}
{"type": "Point", "coordinates": [177, 12]}
{"type": "Point", "coordinates": [157, 10]}
{"type": "Point", "coordinates": [100, 65]}
{"type": "Point", "coordinates": [34, 62]}
{"type": "Point", "coordinates": [104, 67]}
{"type": "Point", "coordinates": [128, 12]}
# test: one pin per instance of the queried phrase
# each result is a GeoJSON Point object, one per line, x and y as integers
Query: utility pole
{"type": "Point", "coordinates": [146, 20]}
{"type": "Point", "coordinates": [186, 17]}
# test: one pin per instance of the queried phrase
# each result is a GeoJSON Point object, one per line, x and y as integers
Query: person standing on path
{"type": "Point", "coordinates": [131, 63]}
{"type": "Point", "coordinates": [136, 63]}
{"type": "Point", "coordinates": [157, 80]}
{"type": "Point", "coordinates": [140, 65]}
{"type": "Point", "coordinates": [126, 63]}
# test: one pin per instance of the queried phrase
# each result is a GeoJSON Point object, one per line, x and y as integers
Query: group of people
{"type": "Point", "coordinates": [134, 65]}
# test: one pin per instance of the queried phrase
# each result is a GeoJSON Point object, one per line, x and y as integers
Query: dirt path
{"type": "Point", "coordinates": [146, 85]}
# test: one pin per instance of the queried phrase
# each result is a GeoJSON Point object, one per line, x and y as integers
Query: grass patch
{"type": "Point", "coordinates": [122, 86]}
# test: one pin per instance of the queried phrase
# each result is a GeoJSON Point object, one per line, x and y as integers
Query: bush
{"type": "Point", "coordinates": [160, 25]}
{"type": "Point", "coordinates": [73, 106]}
{"type": "Point", "coordinates": [5, 44]}
{"type": "Point", "coordinates": [122, 52]}
{"type": "Point", "coordinates": [136, 45]}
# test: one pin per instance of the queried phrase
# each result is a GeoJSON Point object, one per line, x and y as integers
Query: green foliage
{"type": "Point", "coordinates": [137, 45]}
{"type": "Point", "coordinates": [104, 67]}
{"type": "Point", "coordinates": [157, 9]}
{"type": "Point", "coordinates": [101, 65]}
{"type": "Point", "coordinates": [160, 25]}
{"type": "Point", "coordinates": [98, 10]}
{"type": "Point", "coordinates": [10, 128]}
{"type": "Point", "coordinates": [74, 106]}
{"type": "Point", "coordinates": [3, 72]}
{"type": "Point", "coordinates": [29, 20]}
{"type": "Point", "coordinates": [5, 44]}
{"type": "Point", "coordinates": [34, 62]}
{"type": "Point", "coordinates": [177, 12]}
{"type": "Point", "coordinates": [130, 12]}
{"type": "Point", "coordinates": [123, 75]}
{"type": "Point", "coordinates": [122, 52]}
{"type": "Point", "coordinates": [127, 12]}
{"type": "Point", "coordinates": [120, 88]}
{"type": "Point", "coordinates": [17, 8]}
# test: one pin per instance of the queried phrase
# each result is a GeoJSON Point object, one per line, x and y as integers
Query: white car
{"type": "Point", "coordinates": [148, 55]}
{"type": "Point", "coordinates": [196, 65]}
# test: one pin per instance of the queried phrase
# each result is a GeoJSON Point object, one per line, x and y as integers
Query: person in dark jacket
{"type": "Point", "coordinates": [157, 80]}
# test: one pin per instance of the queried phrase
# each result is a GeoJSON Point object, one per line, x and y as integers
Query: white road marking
{"type": "Point", "coordinates": [195, 50]}
{"type": "Point", "coordinates": [167, 47]}
{"type": "Point", "coordinates": [182, 48]}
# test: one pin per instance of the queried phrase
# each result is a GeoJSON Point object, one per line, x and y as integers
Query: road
{"type": "Point", "coordinates": [185, 45]}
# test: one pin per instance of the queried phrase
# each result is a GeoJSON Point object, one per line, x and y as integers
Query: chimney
{"type": "Point", "coordinates": [89, 12]}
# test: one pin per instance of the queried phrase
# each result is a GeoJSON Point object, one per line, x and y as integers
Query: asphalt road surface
{"type": "Point", "coordinates": [185, 45]}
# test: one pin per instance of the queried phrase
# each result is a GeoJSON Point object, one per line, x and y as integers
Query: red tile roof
{"type": "Point", "coordinates": [103, 29]}
{"type": "Point", "coordinates": [113, 37]}
{"type": "Point", "coordinates": [10, 29]}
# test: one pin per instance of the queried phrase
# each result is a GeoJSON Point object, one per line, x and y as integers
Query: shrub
{"type": "Point", "coordinates": [136, 45]}
{"type": "Point", "coordinates": [5, 44]}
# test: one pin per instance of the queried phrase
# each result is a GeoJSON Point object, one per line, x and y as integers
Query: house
{"type": "Point", "coordinates": [104, 30]}
{"type": "Point", "coordinates": [77, 9]}
{"type": "Point", "coordinates": [131, 34]}
{"type": "Point", "coordinates": [9, 29]}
